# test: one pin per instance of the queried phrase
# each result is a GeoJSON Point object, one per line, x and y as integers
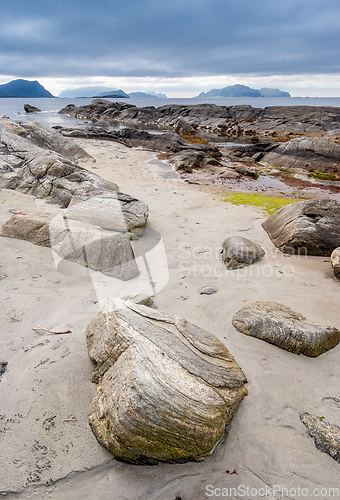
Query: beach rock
{"type": "Point", "coordinates": [27, 228]}
{"type": "Point", "coordinates": [3, 367]}
{"type": "Point", "coordinates": [326, 436]}
{"type": "Point", "coordinates": [247, 170]}
{"type": "Point", "coordinates": [335, 261]}
{"type": "Point", "coordinates": [90, 246]}
{"type": "Point", "coordinates": [31, 109]}
{"type": "Point", "coordinates": [208, 290]}
{"type": "Point", "coordinates": [189, 160]}
{"type": "Point", "coordinates": [310, 227]}
{"type": "Point", "coordinates": [140, 298]}
{"type": "Point", "coordinates": [41, 162]}
{"type": "Point", "coordinates": [282, 326]}
{"type": "Point", "coordinates": [239, 252]}
{"type": "Point", "coordinates": [167, 388]}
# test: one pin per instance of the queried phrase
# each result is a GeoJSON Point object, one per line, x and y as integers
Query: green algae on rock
{"type": "Point", "coordinates": [167, 389]}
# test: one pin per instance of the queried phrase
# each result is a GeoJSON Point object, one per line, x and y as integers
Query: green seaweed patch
{"type": "Point", "coordinates": [268, 203]}
{"type": "Point", "coordinates": [322, 175]}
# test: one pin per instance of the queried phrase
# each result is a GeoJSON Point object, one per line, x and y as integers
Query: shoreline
{"type": "Point", "coordinates": [47, 394]}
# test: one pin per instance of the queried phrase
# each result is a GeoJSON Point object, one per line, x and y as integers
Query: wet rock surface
{"type": "Point", "coordinates": [326, 436]}
{"type": "Point", "coordinates": [167, 388]}
{"type": "Point", "coordinates": [239, 252]}
{"type": "Point", "coordinates": [282, 326]}
{"type": "Point", "coordinates": [310, 227]}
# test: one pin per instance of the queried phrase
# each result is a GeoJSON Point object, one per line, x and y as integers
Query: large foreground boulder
{"type": "Point", "coordinates": [326, 436]}
{"type": "Point", "coordinates": [310, 227]}
{"type": "Point", "coordinates": [282, 326]}
{"type": "Point", "coordinates": [167, 389]}
{"type": "Point", "coordinates": [240, 252]}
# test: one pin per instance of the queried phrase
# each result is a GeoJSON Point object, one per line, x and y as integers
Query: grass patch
{"type": "Point", "coordinates": [268, 203]}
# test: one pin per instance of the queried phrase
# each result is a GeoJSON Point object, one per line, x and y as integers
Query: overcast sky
{"type": "Point", "coordinates": [173, 46]}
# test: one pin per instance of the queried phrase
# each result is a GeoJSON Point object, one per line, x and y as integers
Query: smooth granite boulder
{"type": "Point", "coordinates": [335, 261]}
{"type": "Point", "coordinates": [326, 436]}
{"type": "Point", "coordinates": [167, 389]}
{"type": "Point", "coordinates": [240, 252]}
{"type": "Point", "coordinates": [282, 326]}
{"type": "Point", "coordinates": [310, 227]}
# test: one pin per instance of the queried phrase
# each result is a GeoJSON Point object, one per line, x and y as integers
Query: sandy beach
{"type": "Point", "coordinates": [47, 448]}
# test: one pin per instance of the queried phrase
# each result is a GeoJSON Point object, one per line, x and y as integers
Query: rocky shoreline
{"type": "Point", "coordinates": [168, 391]}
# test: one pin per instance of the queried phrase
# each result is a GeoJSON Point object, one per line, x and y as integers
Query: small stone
{"type": "Point", "coordinates": [3, 366]}
{"type": "Point", "coordinates": [208, 290]}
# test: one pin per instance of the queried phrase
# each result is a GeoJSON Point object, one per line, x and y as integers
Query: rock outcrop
{"type": "Point", "coordinates": [39, 161]}
{"type": "Point", "coordinates": [326, 436]}
{"type": "Point", "coordinates": [239, 252]}
{"type": "Point", "coordinates": [31, 109]}
{"type": "Point", "coordinates": [309, 227]}
{"type": "Point", "coordinates": [167, 388]}
{"type": "Point", "coordinates": [335, 261]}
{"type": "Point", "coordinates": [293, 137]}
{"type": "Point", "coordinates": [282, 326]}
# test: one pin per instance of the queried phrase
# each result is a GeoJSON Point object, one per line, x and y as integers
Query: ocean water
{"type": "Point", "coordinates": [14, 107]}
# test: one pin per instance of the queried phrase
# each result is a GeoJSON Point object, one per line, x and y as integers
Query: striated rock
{"type": "Point", "coordinates": [282, 326]}
{"type": "Point", "coordinates": [31, 109]}
{"type": "Point", "coordinates": [140, 298]}
{"type": "Point", "coordinates": [167, 388]}
{"type": "Point", "coordinates": [326, 436]}
{"type": "Point", "coordinates": [41, 162]}
{"type": "Point", "coordinates": [335, 261]}
{"type": "Point", "coordinates": [90, 246]}
{"type": "Point", "coordinates": [239, 252]}
{"type": "Point", "coordinates": [310, 227]}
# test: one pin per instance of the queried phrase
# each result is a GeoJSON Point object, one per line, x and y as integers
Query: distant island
{"type": "Point", "coordinates": [244, 91]}
{"type": "Point", "coordinates": [104, 92]}
{"type": "Point", "coordinates": [23, 88]}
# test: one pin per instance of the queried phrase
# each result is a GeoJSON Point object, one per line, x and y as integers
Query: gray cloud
{"type": "Point", "coordinates": [166, 38]}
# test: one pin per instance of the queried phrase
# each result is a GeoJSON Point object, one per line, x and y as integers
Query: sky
{"type": "Point", "coordinates": [179, 47]}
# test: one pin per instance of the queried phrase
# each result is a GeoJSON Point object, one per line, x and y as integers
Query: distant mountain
{"type": "Point", "coordinates": [142, 95]}
{"type": "Point", "coordinates": [274, 93]}
{"type": "Point", "coordinates": [113, 93]}
{"type": "Point", "coordinates": [243, 91]}
{"type": "Point", "coordinates": [157, 94]}
{"type": "Point", "coordinates": [23, 88]}
{"type": "Point", "coordinates": [91, 92]}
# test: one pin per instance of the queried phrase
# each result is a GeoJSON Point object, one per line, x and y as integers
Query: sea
{"type": "Point", "coordinates": [14, 107]}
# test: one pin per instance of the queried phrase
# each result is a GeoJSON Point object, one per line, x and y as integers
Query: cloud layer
{"type": "Point", "coordinates": [177, 38]}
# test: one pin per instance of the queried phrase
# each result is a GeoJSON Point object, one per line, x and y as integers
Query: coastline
{"type": "Point", "coordinates": [47, 394]}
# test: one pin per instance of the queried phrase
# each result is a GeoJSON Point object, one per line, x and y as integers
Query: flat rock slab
{"type": "Point", "coordinates": [239, 252]}
{"type": "Point", "coordinates": [87, 245]}
{"type": "Point", "coordinates": [326, 436]}
{"type": "Point", "coordinates": [282, 326]}
{"type": "Point", "coordinates": [310, 227]}
{"type": "Point", "coordinates": [335, 261]}
{"type": "Point", "coordinates": [167, 389]}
